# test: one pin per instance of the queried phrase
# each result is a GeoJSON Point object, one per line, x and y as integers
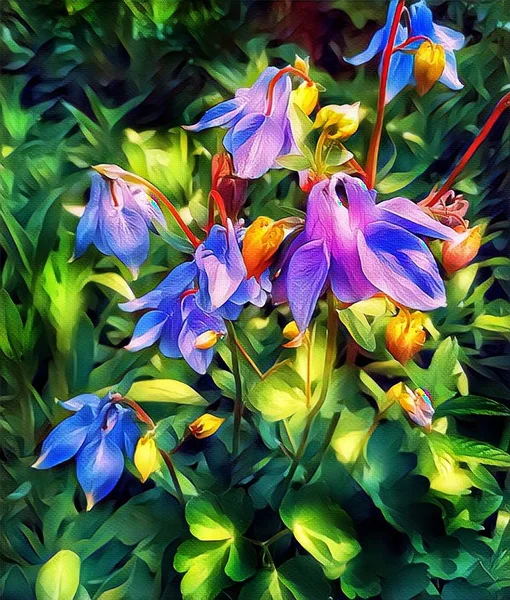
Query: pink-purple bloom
{"type": "Point", "coordinates": [401, 65]}
{"type": "Point", "coordinates": [117, 220]}
{"type": "Point", "coordinates": [255, 139]}
{"type": "Point", "coordinates": [360, 248]}
{"type": "Point", "coordinates": [99, 434]}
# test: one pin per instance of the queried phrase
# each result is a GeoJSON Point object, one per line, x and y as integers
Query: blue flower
{"type": "Point", "coordinates": [117, 220]}
{"type": "Point", "coordinates": [99, 434]}
{"type": "Point", "coordinates": [255, 139]}
{"type": "Point", "coordinates": [194, 300]}
{"type": "Point", "coordinates": [401, 64]}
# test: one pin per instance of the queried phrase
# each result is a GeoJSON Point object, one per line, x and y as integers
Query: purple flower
{"type": "Point", "coordinates": [401, 65]}
{"type": "Point", "coordinates": [359, 248]}
{"type": "Point", "coordinates": [255, 139]}
{"type": "Point", "coordinates": [117, 220]}
{"type": "Point", "coordinates": [99, 434]}
{"type": "Point", "coordinates": [194, 300]}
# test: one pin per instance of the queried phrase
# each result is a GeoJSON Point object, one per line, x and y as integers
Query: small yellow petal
{"type": "Point", "coordinates": [146, 456]}
{"type": "Point", "coordinates": [306, 97]}
{"type": "Point", "coordinates": [205, 426]}
{"type": "Point", "coordinates": [339, 122]}
{"type": "Point", "coordinates": [206, 340]}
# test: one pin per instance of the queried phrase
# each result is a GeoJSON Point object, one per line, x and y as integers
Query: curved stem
{"type": "Point", "coordinates": [238, 402]}
{"type": "Point", "coordinates": [139, 411]}
{"type": "Point", "coordinates": [216, 198]}
{"type": "Point", "coordinates": [173, 474]}
{"type": "Point", "coordinates": [375, 140]}
{"type": "Point", "coordinates": [270, 90]}
{"type": "Point", "coordinates": [248, 358]}
{"type": "Point", "coordinates": [411, 40]}
{"type": "Point", "coordinates": [332, 328]}
{"type": "Point", "coordinates": [319, 166]}
{"type": "Point", "coordinates": [499, 109]}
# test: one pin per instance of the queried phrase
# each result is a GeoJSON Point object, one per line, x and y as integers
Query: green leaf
{"type": "Point", "coordinates": [321, 527]}
{"type": "Point", "coordinates": [59, 578]}
{"type": "Point", "coordinates": [20, 492]}
{"type": "Point", "coordinates": [278, 396]}
{"type": "Point", "coordinates": [301, 126]}
{"type": "Point", "coordinates": [358, 326]}
{"type": "Point", "coordinates": [113, 281]}
{"type": "Point", "coordinates": [471, 405]}
{"type": "Point", "coordinates": [493, 323]}
{"type": "Point", "coordinates": [204, 564]}
{"type": "Point", "coordinates": [294, 162]}
{"type": "Point", "coordinates": [165, 390]}
{"type": "Point", "coordinates": [478, 452]}
{"type": "Point", "coordinates": [207, 521]}
{"type": "Point", "coordinates": [241, 560]}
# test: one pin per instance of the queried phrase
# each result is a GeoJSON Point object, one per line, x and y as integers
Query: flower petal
{"type": "Point", "coordinates": [376, 45]}
{"type": "Point", "coordinates": [169, 338]}
{"type": "Point", "coordinates": [308, 270]}
{"type": "Point", "coordinates": [400, 265]}
{"type": "Point", "coordinates": [400, 74]}
{"type": "Point", "coordinates": [78, 402]}
{"type": "Point", "coordinates": [147, 330]}
{"type": "Point", "coordinates": [219, 115]}
{"type": "Point", "coordinates": [87, 227]}
{"type": "Point", "coordinates": [449, 76]}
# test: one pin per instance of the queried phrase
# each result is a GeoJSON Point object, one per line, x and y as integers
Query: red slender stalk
{"type": "Point", "coordinates": [409, 41]}
{"type": "Point", "coordinates": [270, 90]}
{"type": "Point", "coordinates": [499, 109]}
{"type": "Point", "coordinates": [139, 411]}
{"type": "Point", "coordinates": [375, 140]}
{"type": "Point", "coordinates": [216, 198]}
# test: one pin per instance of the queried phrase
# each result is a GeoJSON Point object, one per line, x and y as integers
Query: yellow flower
{"type": "Point", "coordinates": [339, 122]}
{"type": "Point", "coordinates": [261, 241]}
{"type": "Point", "coordinates": [306, 97]}
{"type": "Point", "coordinates": [417, 404]}
{"type": "Point", "coordinates": [205, 426]}
{"type": "Point", "coordinates": [429, 64]}
{"type": "Point", "coordinates": [207, 339]}
{"type": "Point", "coordinates": [301, 64]}
{"type": "Point", "coordinates": [459, 253]}
{"type": "Point", "coordinates": [146, 456]}
{"type": "Point", "coordinates": [405, 335]}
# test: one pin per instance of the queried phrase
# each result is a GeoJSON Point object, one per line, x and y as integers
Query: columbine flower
{"type": "Point", "coordinates": [146, 456]}
{"type": "Point", "coordinates": [339, 122]}
{"type": "Point", "coordinates": [258, 125]}
{"type": "Point", "coordinates": [99, 434]}
{"type": "Point", "coordinates": [359, 248]}
{"type": "Point", "coordinates": [402, 63]}
{"type": "Point", "coordinates": [461, 251]}
{"type": "Point", "coordinates": [117, 218]}
{"type": "Point", "coordinates": [205, 426]}
{"type": "Point", "coordinates": [405, 335]}
{"type": "Point", "coordinates": [417, 404]}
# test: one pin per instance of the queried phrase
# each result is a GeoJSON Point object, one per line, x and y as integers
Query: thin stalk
{"type": "Point", "coordinates": [173, 474]}
{"type": "Point", "coordinates": [238, 402]}
{"type": "Point", "coordinates": [308, 372]}
{"type": "Point", "coordinates": [411, 40]}
{"type": "Point", "coordinates": [215, 198]}
{"type": "Point", "coordinates": [319, 165]}
{"type": "Point", "coordinates": [332, 328]}
{"type": "Point", "coordinates": [375, 140]}
{"type": "Point", "coordinates": [270, 90]}
{"type": "Point", "coordinates": [248, 358]}
{"type": "Point", "coordinates": [499, 109]}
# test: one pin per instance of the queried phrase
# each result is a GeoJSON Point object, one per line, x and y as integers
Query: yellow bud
{"type": "Point", "coordinates": [417, 404]}
{"type": "Point", "coordinates": [206, 340]}
{"type": "Point", "coordinates": [290, 331]}
{"type": "Point", "coordinates": [205, 426]}
{"type": "Point", "coordinates": [429, 64]}
{"type": "Point", "coordinates": [306, 97]}
{"type": "Point", "coordinates": [261, 241]}
{"type": "Point", "coordinates": [301, 64]}
{"type": "Point", "coordinates": [339, 122]}
{"type": "Point", "coordinates": [405, 335]}
{"type": "Point", "coordinates": [146, 456]}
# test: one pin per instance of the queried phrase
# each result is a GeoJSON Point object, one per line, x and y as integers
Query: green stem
{"type": "Point", "coordinates": [173, 474]}
{"type": "Point", "coordinates": [238, 402]}
{"type": "Point", "coordinates": [332, 328]}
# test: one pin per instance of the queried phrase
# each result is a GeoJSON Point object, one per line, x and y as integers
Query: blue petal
{"type": "Point", "coordinates": [422, 24]}
{"type": "Point", "coordinates": [126, 433]}
{"type": "Point", "coordinates": [65, 440]}
{"type": "Point", "coordinates": [169, 339]}
{"type": "Point", "coordinates": [400, 74]}
{"type": "Point", "coordinates": [87, 227]}
{"type": "Point", "coordinates": [99, 467]}
{"type": "Point", "coordinates": [147, 330]}
{"type": "Point", "coordinates": [449, 76]}
{"type": "Point", "coordinates": [308, 270]}
{"type": "Point", "coordinates": [219, 115]}
{"type": "Point", "coordinates": [376, 45]}
{"type": "Point", "coordinates": [80, 401]}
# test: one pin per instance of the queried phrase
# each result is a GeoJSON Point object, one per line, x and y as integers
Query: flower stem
{"type": "Point", "coordinates": [375, 140]}
{"type": "Point", "coordinates": [411, 40]}
{"type": "Point", "coordinates": [270, 90]}
{"type": "Point", "coordinates": [248, 358]}
{"type": "Point", "coordinates": [332, 328]}
{"type": "Point", "coordinates": [499, 109]}
{"type": "Point", "coordinates": [216, 198]}
{"type": "Point", "coordinates": [319, 166]}
{"type": "Point", "coordinates": [173, 474]}
{"type": "Point", "coordinates": [238, 402]}
{"type": "Point", "coordinates": [140, 413]}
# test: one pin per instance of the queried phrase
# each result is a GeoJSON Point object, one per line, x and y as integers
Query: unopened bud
{"type": "Point", "coordinates": [305, 97]}
{"type": "Point", "coordinates": [429, 64]}
{"type": "Point", "coordinates": [205, 426]}
{"type": "Point", "coordinates": [417, 404]}
{"type": "Point", "coordinates": [302, 64]}
{"type": "Point", "coordinates": [405, 335]}
{"type": "Point", "coordinates": [261, 241]}
{"type": "Point", "coordinates": [231, 188]}
{"type": "Point", "coordinates": [207, 340]}
{"type": "Point", "coordinates": [339, 122]}
{"type": "Point", "coordinates": [146, 456]}
{"type": "Point", "coordinates": [460, 252]}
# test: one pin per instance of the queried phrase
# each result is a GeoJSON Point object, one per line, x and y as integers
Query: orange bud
{"type": "Point", "coordinates": [207, 340]}
{"type": "Point", "coordinates": [405, 335]}
{"type": "Point", "coordinates": [459, 253]}
{"type": "Point", "coordinates": [261, 241]}
{"type": "Point", "coordinates": [429, 64]}
{"type": "Point", "coordinates": [205, 426]}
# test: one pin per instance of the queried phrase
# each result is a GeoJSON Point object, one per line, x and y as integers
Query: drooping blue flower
{"type": "Point", "coordinates": [255, 139]}
{"type": "Point", "coordinates": [360, 248]}
{"type": "Point", "coordinates": [195, 298]}
{"type": "Point", "coordinates": [99, 435]}
{"type": "Point", "coordinates": [117, 220]}
{"type": "Point", "coordinates": [401, 64]}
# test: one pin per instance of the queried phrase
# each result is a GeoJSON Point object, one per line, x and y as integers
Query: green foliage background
{"type": "Point", "coordinates": [95, 81]}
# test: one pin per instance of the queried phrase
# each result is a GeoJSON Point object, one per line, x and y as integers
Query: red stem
{"type": "Point", "coordinates": [409, 41]}
{"type": "Point", "coordinates": [276, 78]}
{"type": "Point", "coordinates": [216, 198]}
{"type": "Point", "coordinates": [375, 140]}
{"type": "Point", "coordinates": [499, 109]}
{"type": "Point", "coordinates": [139, 411]}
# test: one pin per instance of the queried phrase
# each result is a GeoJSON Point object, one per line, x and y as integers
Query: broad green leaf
{"type": "Point", "coordinates": [113, 281]}
{"type": "Point", "coordinates": [59, 578]}
{"type": "Point", "coordinates": [493, 323]}
{"type": "Point", "coordinates": [294, 162]}
{"type": "Point", "coordinates": [207, 521]}
{"type": "Point", "coordinates": [301, 127]}
{"type": "Point", "coordinates": [321, 527]}
{"type": "Point", "coordinates": [204, 564]}
{"type": "Point", "coordinates": [278, 396]}
{"type": "Point", "coordinates": [358, 326]}
{"type": "Point", "coordinates": [165, 390]}
{"type": "Point", "coordinates": [241, 560]}
{"type": "Point", "coordinates": [471, 405]}
{"type": "Point", "coordinates": [479, 452]}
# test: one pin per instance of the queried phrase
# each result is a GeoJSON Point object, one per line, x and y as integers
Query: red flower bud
{"type": "Point", "coordinates": [459, 253]}
{"type": "Point", "coordinates": [231, 188]}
